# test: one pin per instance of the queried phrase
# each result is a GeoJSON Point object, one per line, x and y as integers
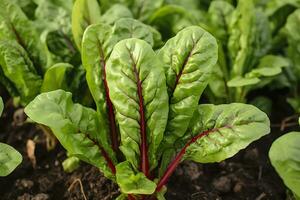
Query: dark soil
{"type": "Point", "coordinates": [248, 175]}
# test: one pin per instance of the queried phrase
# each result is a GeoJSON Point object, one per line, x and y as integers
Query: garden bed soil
{"type": "Point", "coordinates": [246, 176]}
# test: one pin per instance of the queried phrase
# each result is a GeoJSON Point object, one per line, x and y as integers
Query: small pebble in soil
{"type": "Point", "coordinates": [238, 187]}
{"type": "Point", "coordinates": [197, 187]}
{"type": "Point", "coordinates": [222, 184]}
{"type": "Point", "coordinates": [23, 184]}
{"type": "Point", "coordinates": [56, 163]}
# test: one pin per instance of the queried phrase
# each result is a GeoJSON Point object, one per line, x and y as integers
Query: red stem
{"type": "Point", "coordinates": [110, 108]}
{"type": "Point", "coordinates": [143, 147]}
{"type": "Point", "coordinates": [172, 166]}
{"type": "Point", "coordinates": [111, 117]}
{"type": "Point", "coordinates": [109, 161]}
{"type": "Point", "coordinates": [130, 197]}
{"type": "Point", "coordinates": [104, 153]}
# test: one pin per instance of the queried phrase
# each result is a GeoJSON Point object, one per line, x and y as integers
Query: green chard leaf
{"type": "Point", "coordinates": [14, 26]}
{"type": "Point", "coordinates": [219, 132]}
{"type": "Point", "coordinates": [19, 70]}
{"type": "Point", "coordinates": [293, 37]}
{"type": "Point", "coordinates": [249, 37]}
{"type": "Point", "coordinates": [98, 42]}
{"type": "Point", "coordinates": [143, 9]}
{"type": "Point", "coordinates": [269, 66]}
{"type": "Point", "coordinates": [116, 12]}
{"type": "Point", "coordinates": [55, 77]}
{"type": "Point", "coordinates": [84, 13]}
{"type": "Point", "coordinates": [53, 19]}
{"type": "Point", "coordinates": [131, 182]}
{"type": "Point", "coordinates": [136, 83]}
{"type": "Point", "coordinates": [188, 60]}
{"type": "Point", "coordinates": [77, 128]}
{"type": "Point", "coordinates": [285, 157]}
{"type": "Point", "coordinates": [239, 81]}
{"type": "Point", "coordinates": [8, 85]}
{"type": "Point", "coordinates": [9, 159]}
{"type": "Point", "coordinates": [220, 15]}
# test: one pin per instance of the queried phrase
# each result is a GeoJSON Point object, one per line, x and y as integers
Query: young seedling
{"type": "Point", "coordinates": [148, 119]}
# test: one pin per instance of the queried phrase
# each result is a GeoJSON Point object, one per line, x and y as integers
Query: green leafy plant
{"type": "Point", "coordinates": [32, 51]}
{"type": "Point", "coordinates": [285, 158]}
{"type": "Point", "coordinates": [148, 119]}
{"type": "Point", "coordinates": [291, 31]}
{"type": "Point", "coordinates": [9, 157]}
{"type": "Point", "coordinates": [247, 60]}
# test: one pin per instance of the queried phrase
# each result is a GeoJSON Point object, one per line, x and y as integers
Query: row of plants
{"type": "Point", "coordinates": [121, 84]}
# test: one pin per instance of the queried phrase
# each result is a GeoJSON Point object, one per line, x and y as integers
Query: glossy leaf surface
{"type": "Point", "coordinates": [188, 60]}
{"type": "Point", "coordinates": [9, 159]}
{"type": "Point", "coordinates": [285, 157]}
{"type": "Point", "coordinates": [137, 89]}
{"type": "Point", "coordinates": [55, 77]}
{"type": "Point", "coordinates": [220, 131]}
{"type": "Point", "coordinates": [19, 70]}
{"type": "Point", "coordinates": [84, 13]}
{"type": "Point", "coordinates": [77, 128]}
{"type": "Point", "coordinates": [15, 26]}
{"type": "Point", "coordinates": [131, 182]}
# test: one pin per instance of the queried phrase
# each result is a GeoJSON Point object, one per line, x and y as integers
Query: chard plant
{"type": "Point", "coordinates": [30, 61]}
{"type": "Point", "coordinates": [9, 157]}
{"type": "Point", "coordinates": [291, 78]}
{"type": "Point", "coordinates": [248, 59]}
{"type": "Point", "coordinates": [148, 117]}
{"type": "Point", "coordinates": [285, 158]}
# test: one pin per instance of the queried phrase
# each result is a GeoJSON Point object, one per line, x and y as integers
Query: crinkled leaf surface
{"type": "Point", "coordinates": [131, 182]}
{"type": "Point", "coordinates": [98, 42]}
{"type": "Point", "coordinates": [131, 28]}
{"type": "Point", "coordinates": [188, 60]}
{"type": "Point", "coordinates": [77, 128]}
{"type": "Point", "coordinates": [249, 37]}
{"type": "Point", "coordinates": [220, 131]}
{"type": "Point", "coordinates": [285, 157]}
{"type": "Point", "coordinates": [9, 159]}
{"type": "Point", "coordinates": [55, 77]}
{"type": "Point", "coordinates": [116, 12]}
{"type": "Point", "coordinates": [84, 13]}
{"type": "Point", "coordinates": [219, 16]}
{"type": "Point", "coordinates": [15, 26]}
{"type": "Point", "coordinates": [143, 9]}
{"type": "Point", "coordinates": [19, 70]}
{"type": "Point", "coordinates": [53, 19]}
{"type": "Point", "coordinates": [137, 89]}
{"type": "Point", "coordinates": [8, 85]}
